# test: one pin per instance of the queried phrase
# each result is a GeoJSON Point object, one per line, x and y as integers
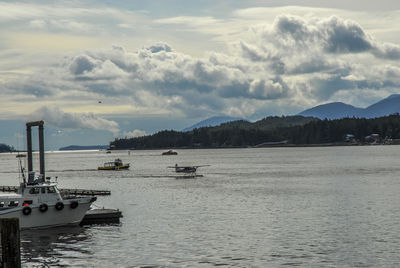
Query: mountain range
{"type": "Point", "coordinates": [333, 110]}
{"type": "Point", "coordinates": [80, 147]}
{"type": "Point", "coordinates": [337, 110]}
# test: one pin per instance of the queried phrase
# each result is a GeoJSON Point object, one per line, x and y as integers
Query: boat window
{"type": "Point", "coordinates": [13, 203]}
{"type": "Point", "coordinates": [1, 204]}
{"type": "Point", "coordinates": [43, 190]}
{"type": "Point", "coordinates": [27, 202]}
{"type": "Point", "coordinates": [34, 190]}
{"type": "Point", "coordinates": [51, 190]}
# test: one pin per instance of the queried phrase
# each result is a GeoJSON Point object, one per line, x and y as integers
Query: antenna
{"type": "Point", "coordinates": [22, 170]}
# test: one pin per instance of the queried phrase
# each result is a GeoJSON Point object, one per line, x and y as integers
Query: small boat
{"type": "Point", "coordinates": [38, 203]}
{"type": "Point", "coordinates": [115, 165]}
{"type": "Point", "coordinates": [169, 152]}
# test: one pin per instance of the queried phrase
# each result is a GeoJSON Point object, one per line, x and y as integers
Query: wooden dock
{"type": "Point", "coordinates": [63, 191]}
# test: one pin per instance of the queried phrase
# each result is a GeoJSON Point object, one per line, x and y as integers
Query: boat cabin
{"type": "Point", "coordinates": [31, 195]}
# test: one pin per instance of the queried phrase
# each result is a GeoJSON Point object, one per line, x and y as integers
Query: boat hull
{"type": "Point", "coordinates": [170, 153]}
{"type": "Point", "coordinates": [52, 217]}
{"type": "Point", "coordinates": [114, 168]}
{"type": "Point", "coordinates": [185, 170]}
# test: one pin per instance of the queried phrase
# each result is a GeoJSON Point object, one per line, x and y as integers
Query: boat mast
{"type": "Point", "coordinates": [29, 126]}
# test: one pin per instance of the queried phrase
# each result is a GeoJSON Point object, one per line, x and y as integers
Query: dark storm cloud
{"type": "Point", "coordinates": [333, 35]}
{"type": "Point", "coordinates": [344, 36]}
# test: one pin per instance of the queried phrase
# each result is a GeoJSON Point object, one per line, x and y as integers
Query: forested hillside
{"type": "Point", "coordinates": [296, 130]}
{"type": "Point", "coordinates": [231, 134]}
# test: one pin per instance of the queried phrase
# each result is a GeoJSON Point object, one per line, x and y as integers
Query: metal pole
{"type": "Point", "coordinates": [41, 149]}
{"type": "Point", "coordinates": [29, 125]}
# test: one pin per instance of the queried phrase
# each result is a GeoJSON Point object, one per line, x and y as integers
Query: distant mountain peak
{"type": "Point", "coordinates": [212, 122]}
{"type": "Point", "coordinates": [333, 110]}
{"type": "Point", "coordinates": [393, 96]}
{"type": "Point", "coordinates": [336, 110]}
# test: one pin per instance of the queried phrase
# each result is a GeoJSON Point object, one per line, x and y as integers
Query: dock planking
{"type": "Point", "coordinates": [63, 191]}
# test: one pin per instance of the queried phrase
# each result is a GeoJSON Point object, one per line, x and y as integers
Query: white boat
{"type": "Point", "coordinates": [40, 205]}
{"type": "Point", "coordinates": [38, 202]}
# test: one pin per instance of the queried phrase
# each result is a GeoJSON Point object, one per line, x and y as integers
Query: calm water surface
{"type": "Point", "coordinates": [270, 207]}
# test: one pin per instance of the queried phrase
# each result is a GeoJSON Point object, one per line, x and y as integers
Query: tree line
{"type": "Point", "coordinates": [296, 130]}
{"type": "Point", "coordinates": [6, 148]}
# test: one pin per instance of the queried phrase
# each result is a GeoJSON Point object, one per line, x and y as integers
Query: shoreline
{"type": "Point", "coordinates": [257, 146]}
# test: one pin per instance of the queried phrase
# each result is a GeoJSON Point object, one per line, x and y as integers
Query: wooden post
{"type": "Point", "coordinates": [29, 147]}
{"type": "Point", "coordinates": [10, 243]}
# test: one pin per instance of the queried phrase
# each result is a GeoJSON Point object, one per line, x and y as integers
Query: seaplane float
{"type": "Point", "coordinates": [38, 202]}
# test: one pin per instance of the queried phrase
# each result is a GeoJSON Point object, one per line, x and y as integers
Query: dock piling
{"type": "Point", "coordinates": [10, 243]}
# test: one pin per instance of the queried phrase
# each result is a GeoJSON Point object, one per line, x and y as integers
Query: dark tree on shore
{"type": "Point", "coordinates": [6, 148]}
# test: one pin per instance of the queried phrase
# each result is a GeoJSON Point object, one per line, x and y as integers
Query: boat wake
{"type": "Point", "coordinates": [71, 170]}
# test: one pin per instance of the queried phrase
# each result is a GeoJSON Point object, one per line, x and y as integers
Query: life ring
{"type": "Point", "coordinates": [59, 206]}
{"type": "Point", "coordinates": [74, 204]}
{"type": "Point", "coordinates": [26, 210]}
{"type": "Point", "coordinates": [43, 207]}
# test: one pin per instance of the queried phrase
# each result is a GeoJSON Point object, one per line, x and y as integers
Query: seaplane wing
{"type": "Point", "coordinates": [186, 169]}
{"type": "Point", "coordinates": [188, 166]}
{"type": "Point", "coordinates": [201, 166]}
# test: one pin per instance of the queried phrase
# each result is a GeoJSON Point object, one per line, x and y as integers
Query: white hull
{"type": "Point", "coordinates": [50, 218]}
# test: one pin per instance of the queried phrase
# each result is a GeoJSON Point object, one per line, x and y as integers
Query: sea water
{"type": "Point", "coordinates": [264, 207]}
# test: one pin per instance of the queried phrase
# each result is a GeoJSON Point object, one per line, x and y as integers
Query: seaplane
{"type": "Point", "coordinates": [186, 169]}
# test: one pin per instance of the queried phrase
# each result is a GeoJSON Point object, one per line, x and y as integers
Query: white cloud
{"type": "Point", "coordinates": [60, 25]}
{"type": "Point", "coordinates": [279, 66]}
{"type": "Point", "coordinates": [58, 118]}
{"type": "Point", "coordinates": [134, 133]}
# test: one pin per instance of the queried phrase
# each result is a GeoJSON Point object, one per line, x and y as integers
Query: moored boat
{"type": "Point", "coordinates": [38, 202]}
{"type": "Point", "coordinates": [40, 205]}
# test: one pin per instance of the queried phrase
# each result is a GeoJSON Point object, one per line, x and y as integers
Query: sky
{"type": "Point", "coordinates": [99, 70]}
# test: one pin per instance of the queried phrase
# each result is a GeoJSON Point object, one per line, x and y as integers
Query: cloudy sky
{"type": "Point", "coordinates": [128, 68]}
